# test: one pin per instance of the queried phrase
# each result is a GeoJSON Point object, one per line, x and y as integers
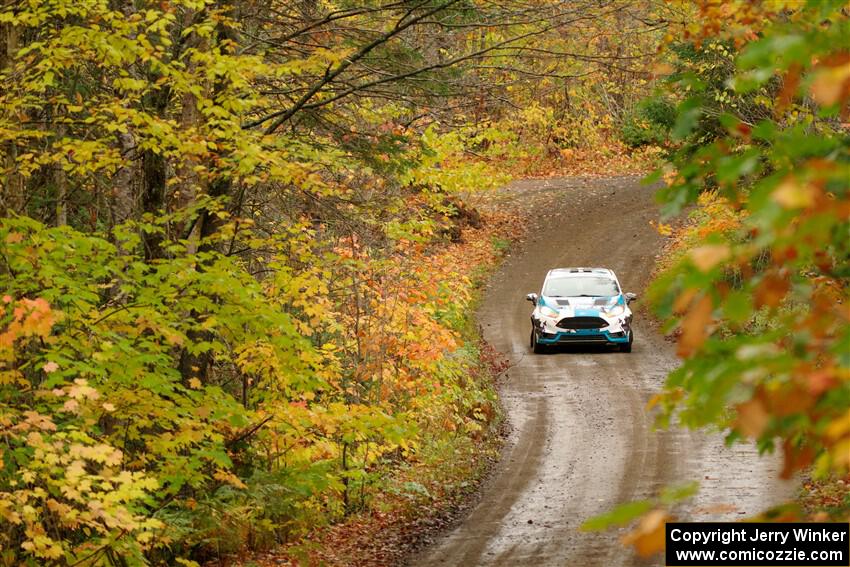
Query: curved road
{"type": "Point", "coordinates": [581, 439]}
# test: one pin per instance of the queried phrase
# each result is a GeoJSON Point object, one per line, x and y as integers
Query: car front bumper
{"type": "Point", "coordinates": [616, 331]}
{"type": "Point", "coordinates": [583, 336]}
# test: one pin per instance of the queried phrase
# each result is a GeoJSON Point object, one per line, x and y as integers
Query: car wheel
{"type": "Point", "coordinates": [536, 347]}
{"type": "Point", "coordinates": [628, 346]}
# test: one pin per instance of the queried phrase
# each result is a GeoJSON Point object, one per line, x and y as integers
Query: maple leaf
{"type": "Point", "coordinates": [753, 418]}
{"type": "Point", "coordinates": [772, 290]}
{"type": "Point", "coordinates": [708, 256]}
{"type": "Point", "coordinates": [695, 326]}
{"type": "Point", "coordinates": [648, 537]}
{"type": "Point", "coordinates": [793, 194]}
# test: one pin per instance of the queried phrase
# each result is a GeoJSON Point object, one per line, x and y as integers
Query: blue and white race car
{"type": "Point", "coordinates": [581, 306]}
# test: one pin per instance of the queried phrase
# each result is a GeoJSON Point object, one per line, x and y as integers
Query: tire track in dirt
{"type": "Point", "coordinates": [581, 439]}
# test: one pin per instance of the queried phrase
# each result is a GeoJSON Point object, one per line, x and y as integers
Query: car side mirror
{"type": "Point", "coordinates": [631, 297]}
{"type": "Point", "coordinates": [532, 297]}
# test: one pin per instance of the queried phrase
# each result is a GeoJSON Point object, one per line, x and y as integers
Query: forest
{"type": "Point", "coordinates": [241, 250]}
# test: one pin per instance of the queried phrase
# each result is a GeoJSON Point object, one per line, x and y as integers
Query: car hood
{"type": "Point", "coordinates": [581, 306]}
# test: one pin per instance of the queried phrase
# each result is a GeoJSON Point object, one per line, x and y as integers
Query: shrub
{"type": "Point", "coordinates": [649, 123]}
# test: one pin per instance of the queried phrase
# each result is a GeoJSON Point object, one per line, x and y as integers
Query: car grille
{"type": "Point", "coordinates": [582, 323]}
{"type": "Point", "coordinates": [583, 339]}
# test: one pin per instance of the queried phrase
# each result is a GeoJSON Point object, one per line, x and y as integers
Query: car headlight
{"type": "Point", "coordinates": [617, 309]}
{"type": "Point", "coordinates": [547, 311]}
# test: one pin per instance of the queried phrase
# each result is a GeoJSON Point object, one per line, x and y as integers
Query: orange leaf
{"type": "Point", "coordinates": [828, 86]}
{"type": "Point", "coordinates": [789, 87]}
{"type": "Point", "coordinates": [795, 458]}
{"type": "Point", "coordinates": [820, 381]}
{"type": "Point", "coordinates": [752, 418]}
{"type": "Point", "coordinates": [789, 400]}
{"type": "Point", "coordinates": [648, 537]}
{"type": "Point", "coordinates": [683, 300]}
{"type": "Point", "coordinates": [695, 327]}
{"type": "Point", "coordinates": [771, 290]}
{"type": "Point", "coordinates": [662, 69]}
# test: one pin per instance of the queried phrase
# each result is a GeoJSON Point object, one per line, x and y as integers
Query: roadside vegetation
{"type": "Point", "coordinates": [755, 287]}
{"type": "Point", "coordinates": [237, 268]}
{"type": "Point", "coordinates": [239, 256]}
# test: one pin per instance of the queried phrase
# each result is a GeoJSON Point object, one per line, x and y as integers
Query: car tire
{"type": "Point", "coordinates": [628, 346]}
{"type": "Point", "coordinates": [536, 347]}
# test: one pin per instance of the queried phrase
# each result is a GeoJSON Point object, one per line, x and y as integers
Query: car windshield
{"type": "Point", "coordinates": [581, 286]}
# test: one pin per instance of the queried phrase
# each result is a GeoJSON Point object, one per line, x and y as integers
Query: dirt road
{"type": "Point", "coordinates": [581, 439]}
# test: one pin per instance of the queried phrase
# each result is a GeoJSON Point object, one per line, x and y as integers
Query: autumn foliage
{"type": "Point", "coordinates": [236, 265]}
{"type": "Point", "coordinates": [756, 285]}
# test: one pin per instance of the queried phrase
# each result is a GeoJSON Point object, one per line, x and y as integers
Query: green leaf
{"type": "Point", "coordinates": [672, 494]}
{"type": "Point", "coordinates": [688, 116]}
{"type": "Point", "coordinates": [619, 516]}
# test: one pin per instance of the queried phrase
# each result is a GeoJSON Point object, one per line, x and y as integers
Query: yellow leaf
{"type": "Point", "coordinates": [839, 427]}
{"type": "Point", "coordinates": [664, 229]}
{"type": "Point", "coordinates": [793, 195]}
{"type": "Point", "coordinates": [194, 383]}
{"type": "Point", "coordinates": [841, 454]}
{"type": "Point", "coordinates": [229, 478]}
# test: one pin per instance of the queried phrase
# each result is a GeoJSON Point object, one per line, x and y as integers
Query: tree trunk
{"type": "Point", "coordinates": [123, 189]}
{"type": "Point", "coordinates": [60, 181]}
{"type": "Point", "coordinates": [12, 188]}
{"type": "Point", "coordinates": [154, 179]}
{"type": "Point", "coordinates": [153, 198]}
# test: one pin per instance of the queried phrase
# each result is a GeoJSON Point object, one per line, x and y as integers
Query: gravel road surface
{"type": "Point", "coordinates": [581, 439]}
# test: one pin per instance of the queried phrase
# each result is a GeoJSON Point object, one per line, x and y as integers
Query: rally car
{"type": "Point", "coordinates": [581, 306]}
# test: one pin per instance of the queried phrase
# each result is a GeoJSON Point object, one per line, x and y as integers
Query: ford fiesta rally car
{"type": "Point", "coordinates": [581, 306]}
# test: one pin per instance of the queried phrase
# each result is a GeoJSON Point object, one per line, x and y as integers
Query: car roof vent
{"type": "Point", "coordinates": [581, 270]}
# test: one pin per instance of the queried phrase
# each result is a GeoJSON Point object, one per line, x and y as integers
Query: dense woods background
{"type": "Point", "coordinates": [230, 308]}
{"type": "Point", "coordinates": [236, 288]}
